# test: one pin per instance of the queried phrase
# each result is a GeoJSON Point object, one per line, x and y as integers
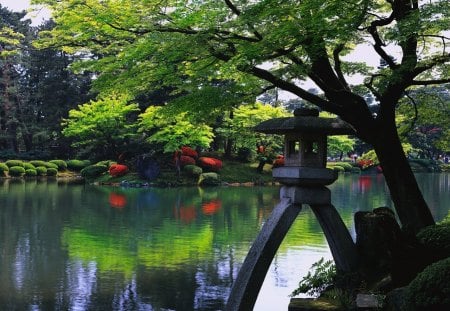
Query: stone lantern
{"type": "Point", "coordinates": [305, 146]}
{"type": "Point", "coordinates": [303, 178]}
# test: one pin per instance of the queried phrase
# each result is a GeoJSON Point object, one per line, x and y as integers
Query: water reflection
{"type": "Point", "coordinates": [77, 247]}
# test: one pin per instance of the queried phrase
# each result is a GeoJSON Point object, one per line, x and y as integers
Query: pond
{"type": "Point", "coordinates": [68, 246]}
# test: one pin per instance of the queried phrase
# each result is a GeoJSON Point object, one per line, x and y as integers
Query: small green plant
{"type": "Point", "coordinates": [12, 163]}
{"type": "Point", "coordinates": [30, 172]}
{"type": "Point", "coordinates": [93, 171]}
{"type": "Point", "coordinates": [28, 166]}
{"type": "Point", "coordinates": [52, 171]}
{"type": "Point", "coordinates": [343, 297]}
{"type": "Point", "coordinates": [315, 283]}
{"type": "Point", "coordinates": [77, 165]}
{"type": "Point", "coordinates": [37, 163]}
{"type": "Point", "coordinates": [62, 165]}
{"type": "Point", "coordinates": [16, 171]}
{"type": "Point", "coordinates": [41, 170]}
{"type": "Point", "coordinates": [3, 169]}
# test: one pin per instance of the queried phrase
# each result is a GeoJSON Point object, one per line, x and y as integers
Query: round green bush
{"type": "Point", "coordinates": [430, 290]}
{"type": "Point", "coordinates": [16, 171]}
{"type": "Point", "coordinates": [41, 170]}
{"type": "Point", "coordinates": [28, 166]}
{"type": "Point", "coordinates": [436, 240]}
{"type": "Point", "coordinates": [30, 172]}
{"type": "Point", "coordinates": [37, 163]}
{"type": "Point", "coordinates": [93, 171]}
{"type": "Point", "coordinates": [62, 165]}
{"type": "Point", "coordinates": [51, 165]}
{"type": "Point", "coordinates": [337, 168]}
{"type": "Point", "coordinates": [52, 171]}
{"type": "Point", "coordinates": [12, 163]}
{"type": "Point", "coordinates": [209, 179]}
{"type": "Point", "coordinates": [77, 165]}
{"type": "Point", "coordinates": [193, 170]}
{"type": "Point", "coordinates": [3, 169]}
{"type": "Point", "coordinates": [107, 163]}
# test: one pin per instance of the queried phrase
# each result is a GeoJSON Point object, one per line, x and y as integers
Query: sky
{"type": "Point", "coordinates": [19, 5]}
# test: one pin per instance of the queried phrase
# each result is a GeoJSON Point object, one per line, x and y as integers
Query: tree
{"type": "Point", "coordinates": [173, 132]}
{"type": "Point", "coordinates": [102, 127]}
{"type": "Point", "coordinates": [266, 44]}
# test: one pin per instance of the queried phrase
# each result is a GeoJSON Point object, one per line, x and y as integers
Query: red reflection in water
{"type": "Point", "coordinates": [365, 182]}
{"type": "Point", "coordinates": [187, 214]}
{"type": "Point", "coordinates": [117, 200]}
{"type": "Point", "coordinates": [211, 207]}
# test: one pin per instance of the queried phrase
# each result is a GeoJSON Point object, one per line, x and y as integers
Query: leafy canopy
{"type": "Point", "coordinates": [102, 123]}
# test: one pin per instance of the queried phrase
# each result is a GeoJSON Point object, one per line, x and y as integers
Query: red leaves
{"type": "Point", "coordinates": [116, 170]}
{"type": "Point", "coordinates": [210, 164]}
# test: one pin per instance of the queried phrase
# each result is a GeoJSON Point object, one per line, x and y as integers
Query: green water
{"type": "Point", "coordinates": [77, 247]}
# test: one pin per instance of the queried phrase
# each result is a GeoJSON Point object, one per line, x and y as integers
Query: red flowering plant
{"type": "Point", "coordinates": [116, 170]}
{"type": "Point", "coordinates": [279, 161]}
{"type": "Point", "coordinates": [210, 164]}
{"type": "Point", "coordinates": [188, 151]}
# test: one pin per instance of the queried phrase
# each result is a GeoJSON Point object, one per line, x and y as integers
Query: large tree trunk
{"type": "Point", "coordinates": [410, 205]}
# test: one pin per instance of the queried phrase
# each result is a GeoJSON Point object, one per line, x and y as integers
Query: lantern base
{"type": "Point", "coordinates": [304, 176]}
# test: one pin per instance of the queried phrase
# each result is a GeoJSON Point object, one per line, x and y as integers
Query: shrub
{"type": "Point", "coordinates": [106, 163]}
{"type": "Point", "coordinates": [430, 290]}
{"type": "Point", "coordinates": [51, 165]}
{"type": "Point", "coordinates": [16, 171]}
{"type": "Point", "coordinates": [30, 172]}
{"type": "Point", "coordinates": [193, 170]}
{"type": "Point", "coordinates": [52, 171]}
{"type": "Point", "coordinates": [93, 171]}
{"type": "Point", "coordinates": [347, 166]}
{"type": "Point", "coordinates": [209, 179]}
{"type": "Point", "coordinates": [336, 168]}
{"type": "Point", "coordinates": [356, 170]}
{"type": "Point", "coordinates": [37, 163]}
{"type": "Point", "coordinates": [279, 161]}
{"type": "Point", "coordinates": [3, 169]}
{"type": "Point", "coordinates": [187, 160]}
{"type": "Point", "coordinates": [77, 165]}
{"type": "Point", "coordinates": [62, 165]}
{"type": "Point", "coordinates": [41, 170]}
{"type": "Point", "coordinates": [209, 164]}
{"type": "Point", "coordinates": [12, 163]}
{"type": "Point", "coordinates": [28, 166]}
{"type": "Point", "coordinates": [436, 240]}
{"type": "Point", "coordinates": [188, 151]}
{"type": "Point", "coordinates": [116, 170]}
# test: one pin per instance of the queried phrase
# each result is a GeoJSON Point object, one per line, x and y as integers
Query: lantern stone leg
{"type": "Point", "coordinates": [251, 276]}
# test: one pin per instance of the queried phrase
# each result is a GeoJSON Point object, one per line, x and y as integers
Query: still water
{"type": "Point", "coordinates": [78, 247]}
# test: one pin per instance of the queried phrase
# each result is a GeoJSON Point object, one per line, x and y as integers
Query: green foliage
{"type": "Point", "coordinates": [61, 164]}
{"type": "Point", "coordinates": [336, 168]}
{"type": "Point", "coordinates": [16, 171]}
{"type": "Point", "coordinates": [30, 172]}
{"type": "Point", "coordinates": [209, 179]}
{"type": "Point", "coordinates": [37, 163]}
{"type": "Point", "coordinates": [3, 169]}
{"type": "Point", "coordinates": [430, 290]}
{"type": "Point", "coordinates": [51, 165]}
{"type": "Point", "coordinates": [345, 165]}
{"type": "Point", "coordinates": [93, 171]}
{"type": "Point", "coordinates": [315, 283]}
{"type": "Point", "coordinates": [193, 170]}
{"type": "Point", "coordinates": [239, 127]}
{"type": "Point", "coordinates": [12, 163]}
{"type": "Point", "coordinates": [28, 165]}
{"type": "Point", "coordinates": [41, 170]}
{"type": "Point", "coordinates": [77, 165]}
{"type": "Point", "coordinates": [173, 132]}
{"type": "Point", "coordinates": [102, 126]}
{"type": "Point", "coordinates": [52, 171]}
{"type": "Point", "coordinates": [436, 239]}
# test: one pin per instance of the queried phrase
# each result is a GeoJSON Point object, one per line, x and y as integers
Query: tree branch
{"type": "Point", "coordinates": [337, 65]}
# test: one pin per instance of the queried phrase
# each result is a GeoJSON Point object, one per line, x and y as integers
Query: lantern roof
{"type": "Point", "coordinates": [305, 120]}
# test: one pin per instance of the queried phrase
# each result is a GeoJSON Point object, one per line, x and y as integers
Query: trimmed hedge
{"type": "Point", "coordinates": [51, 165]}
{"type": "Point", "coordinates": [116, 170]}
{"type": "Point", "coordinates": [52, 171]}
{"type": "Point", "coordinates": [436, 240]}
{"type": "Point", "coordinates": [41, 170]}
{"type": "Point", "coordinates": [209, 179]}
{"type": "Point", "coordinates": [77, 165]}
{"type": "Point", "coordinates": [62, 165]}
{"type": "Point", "coordinates": [3, 169]}
{"type": "Point", "coordinates": [29, 166]}
{"type": "Point", "coordinates": [37, 163]}
{"type": "Point", "coordinates": [30, 172]}
{"type": "Point", "coordinates": [430, 290]}
{"type": "Point", "coordinates": [193, 170]}
{"type": "Point", "coordinates": [12, 163]}
{"type": "Point", "coordinates": [188, 151]}
{"type": "Point", "coordinates": [209, 164]}
{"type": "Point", "coordinates": [16, 171]}
{"type": "Point", "coordinates": [93, 171]}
